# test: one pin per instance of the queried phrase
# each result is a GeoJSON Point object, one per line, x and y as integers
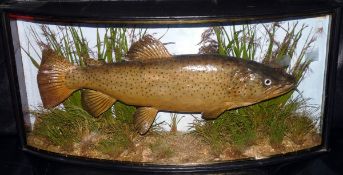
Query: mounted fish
{"type": "Point", "coordinates": [154, 80]}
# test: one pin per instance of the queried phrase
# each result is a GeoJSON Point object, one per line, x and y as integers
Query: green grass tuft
{"type": "Point", "coordinates": [70, 126]}
{"type": "Point", "coordinates": [64, 127]}
{"type": "Point", "coordinates": [124, 113]}
{"type": "Point", "coordinates": [231, 128]}
{"type": "Point", "coordinates": [161, 149]}
{"type": "Point", "coordinates": [116, 141]}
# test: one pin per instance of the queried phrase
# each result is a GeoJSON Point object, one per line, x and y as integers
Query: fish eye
{"type": "Point", "coordinates": [267, 82]}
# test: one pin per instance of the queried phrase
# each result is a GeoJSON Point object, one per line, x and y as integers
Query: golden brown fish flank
{"type": "Point", "coordinates": [209, 84]}
{"type": "Point", "coordinates": [174, 84]}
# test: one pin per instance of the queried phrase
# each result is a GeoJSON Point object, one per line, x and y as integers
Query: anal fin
{"type": "Point", "coordinates": [95, 103]}
{"type": "Point", "coordinates": [143, 119]}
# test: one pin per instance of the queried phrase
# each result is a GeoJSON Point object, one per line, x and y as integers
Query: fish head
{"type": "Point", "coordinates": [262, 82]}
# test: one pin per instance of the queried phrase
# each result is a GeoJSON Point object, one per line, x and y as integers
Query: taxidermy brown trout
{"type": "Point", "coordinates": [154, 80]}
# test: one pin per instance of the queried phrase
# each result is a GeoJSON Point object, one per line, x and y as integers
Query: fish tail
{"type": "Point", "coordinates": [51, 78]}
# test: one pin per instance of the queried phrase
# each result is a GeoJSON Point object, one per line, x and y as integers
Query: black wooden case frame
{"type": "Point", "coordinates": [171, 13]}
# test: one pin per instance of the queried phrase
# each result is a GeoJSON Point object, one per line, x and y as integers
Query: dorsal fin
{"type": "Point", "coordinates": [92, 62]}
{"type": "Point", "coordinates": [147, 48]}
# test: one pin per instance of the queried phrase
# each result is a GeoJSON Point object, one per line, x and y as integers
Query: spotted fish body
{"type": "Point", "coordinates": [207, 84]}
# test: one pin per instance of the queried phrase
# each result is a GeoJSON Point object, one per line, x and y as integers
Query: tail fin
{"type": "Point", "coordinates": [51, 78]}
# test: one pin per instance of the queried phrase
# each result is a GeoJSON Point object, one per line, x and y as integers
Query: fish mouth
{"type": "Point", "coordinates": [281, 89]}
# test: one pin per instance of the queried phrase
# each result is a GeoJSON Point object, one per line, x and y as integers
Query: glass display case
{"type": "Point", "coordinates": [148, 86]}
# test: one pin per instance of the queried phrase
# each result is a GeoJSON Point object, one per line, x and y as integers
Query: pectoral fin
{"type": "Point", "coordinates": [147, 48]}
{"type": "Point", "coordinates": [143, 119]}
{"type": "Point", "coordinates": [96, 103]}
{"type": "Point", "coordinates": [212, 114]}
